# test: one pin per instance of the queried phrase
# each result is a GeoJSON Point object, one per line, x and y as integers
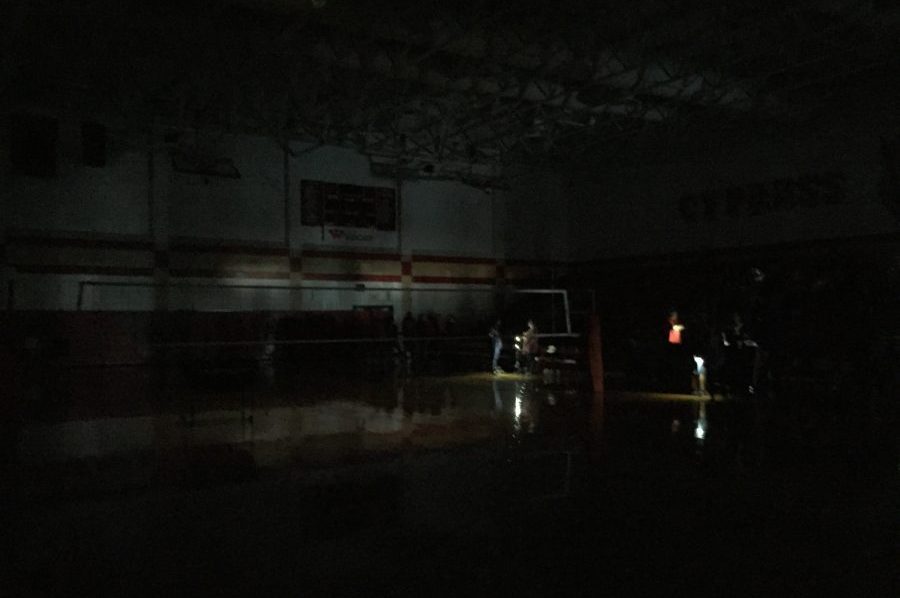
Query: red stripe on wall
{"type": "Point", "coordinates": [351, 255]}
{"type": "Point", "coordinates": [453, 280]}
{"type": "Point", "coordinates": [544, 263]}
{"type": "Point", "coordinates": [211, 246]}
{"type": "Point", "coordinates": [256, 274]}
{"type": "Point", "coordinates": [352, 277]}
{"type": "Point", "coordinates": [813, 246]}
{"type": "Point", "coordinates": [161, 259]}
{"type": "Point", "coordinates": [447, 259]}
{"type": "Point", "coordinates": [69, 269]}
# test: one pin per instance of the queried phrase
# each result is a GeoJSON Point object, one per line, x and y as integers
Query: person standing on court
{"type": "Point", "coordinates": [496, 346]}
{"type": "Point", "coordinates": [678, 364]}
{"type": "Point", "coordinates": [530, 347]}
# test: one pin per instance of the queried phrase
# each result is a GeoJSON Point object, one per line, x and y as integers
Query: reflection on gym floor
{"type": "Point", "coordinates": [255, 476]}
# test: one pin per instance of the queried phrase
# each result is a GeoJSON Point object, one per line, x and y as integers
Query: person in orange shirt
{"type": "Point", "coordinates": [675, 328]}
{"type": "Point", "coordinates": [677, 368]}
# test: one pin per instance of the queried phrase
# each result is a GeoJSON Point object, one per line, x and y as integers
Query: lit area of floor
{"type": "Point", "coordinates": [410, 485]}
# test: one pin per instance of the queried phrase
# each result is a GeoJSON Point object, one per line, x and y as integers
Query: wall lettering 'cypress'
{"type": "Point", "coordinates": [758, 199]}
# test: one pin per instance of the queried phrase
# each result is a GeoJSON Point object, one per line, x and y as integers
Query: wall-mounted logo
{"type": "Point", "coordinates": [340, 234]}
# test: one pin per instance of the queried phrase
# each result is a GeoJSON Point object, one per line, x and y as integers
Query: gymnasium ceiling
{"type": "Point", "coordinates": [467, 90]}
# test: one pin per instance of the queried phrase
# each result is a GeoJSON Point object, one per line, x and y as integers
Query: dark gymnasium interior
{"type": "Point", "coordinates": [304, 297]}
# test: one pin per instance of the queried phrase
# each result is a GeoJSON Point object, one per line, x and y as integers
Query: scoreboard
{"type": "Point", "coordinates": [352, 206]}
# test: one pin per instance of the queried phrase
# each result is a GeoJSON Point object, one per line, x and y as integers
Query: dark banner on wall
{"type": "Point", "coordinates": [351, 206]}
{"type": "Point", "coordinates": [780, 195]}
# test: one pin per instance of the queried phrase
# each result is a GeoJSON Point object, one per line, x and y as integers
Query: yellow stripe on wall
{"type": "Point", "coordinates": [227, 262]}
{"type": "Point", "coordinates": [454, 270]}
{"type": "Point", "coordinates": [330, 265]}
